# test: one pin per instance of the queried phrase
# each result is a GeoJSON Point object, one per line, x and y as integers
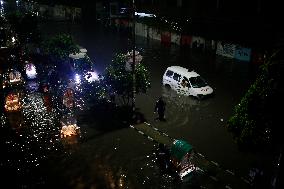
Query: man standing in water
{"type": "Point", "coordinates": [160, 107]}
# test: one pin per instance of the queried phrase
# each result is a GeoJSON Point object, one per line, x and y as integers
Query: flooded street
{"type": "Point", "coordinates": [116, 156]}
{"type": "Point", "coordinates": [124, 157]}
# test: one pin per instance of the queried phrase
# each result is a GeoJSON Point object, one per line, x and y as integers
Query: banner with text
{"type": "Point", "coordinates": [242, 53]}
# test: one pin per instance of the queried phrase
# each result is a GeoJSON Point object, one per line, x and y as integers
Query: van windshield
{"type": "Point", "coordinates": [197, 82]}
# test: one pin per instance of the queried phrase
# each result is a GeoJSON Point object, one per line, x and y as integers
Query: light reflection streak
{"type": "Point", "coordinates": [36, 138]}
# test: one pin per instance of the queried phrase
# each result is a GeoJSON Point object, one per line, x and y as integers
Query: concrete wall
{"type": "Point", "coordinates": [222, 48]}
{"type": "Point", "coordinates": [57, 12]}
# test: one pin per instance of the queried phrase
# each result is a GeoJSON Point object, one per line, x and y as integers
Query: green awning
{"type": "Point", "coordinates": [180, 148]}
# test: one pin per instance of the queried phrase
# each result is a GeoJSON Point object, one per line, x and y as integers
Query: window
{"type": "Point", "coordinates": [185, 82]}
{"type": "Point", "coordinates": [197, 82]}
{"type": "Point", "coordinates": [169, 73]}
{"type": "Point", "coordinates": [176, 77]}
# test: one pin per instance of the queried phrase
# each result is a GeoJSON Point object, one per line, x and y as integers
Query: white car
{"type": "Point", "coordinates": [186, 82]}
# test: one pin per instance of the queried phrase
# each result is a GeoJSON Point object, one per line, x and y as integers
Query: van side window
{"type": "Point", "coordinates": [185, 82]}
{"type": "Point", "coordinates": [176, 77]}
{"type": "Point", "coordinates": [169, 73]}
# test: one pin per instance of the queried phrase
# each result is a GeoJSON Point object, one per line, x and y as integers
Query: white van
{"type": "Point", "coordinates": [80, 60]}
{"type": "Point", "coordinates": [186, 82]}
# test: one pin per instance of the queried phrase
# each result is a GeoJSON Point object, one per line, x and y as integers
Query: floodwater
{"type": "Point", "coordinates": [122, 158]}
{"type": "Point", "coordinates": [202, 123]}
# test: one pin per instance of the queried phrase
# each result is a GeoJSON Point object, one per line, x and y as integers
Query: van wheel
{"type": "Point", "coordinates": [167, 86]}
{"type": "Point", "coordinates": [200, 97]}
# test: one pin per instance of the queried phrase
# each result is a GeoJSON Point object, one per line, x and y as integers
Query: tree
{"type": "Point", "coordinates": [92, 92]}
{"type": "Point", "coordinates": [60, 46]}
{"type": "Point", "coordinates": [57, 49]}
{"type": "Point", "coordinates": [119, 80]}
{"type": "Point", "coordinates": [3, 31]}
{"type": "Point", "coordinates": [25, 27]}
{"type": "Point", "coordinates": [256, 118]}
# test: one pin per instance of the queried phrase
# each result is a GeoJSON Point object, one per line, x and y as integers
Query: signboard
{"type": "Point", "coordinates": [197, 42]}
{"type": "Point", "coordinates": [226, 49]}
{"type": "Point", "coordinates": [242, 53]}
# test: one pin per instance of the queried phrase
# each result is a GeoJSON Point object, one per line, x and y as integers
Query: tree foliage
{"type": "Point", "coordinates": [256, 118]}
{"type": "Point", "coordinates": [60, 46]}
{"type": "Point", "coordinates": [94, 92]}
{"type": "Point", "coordinates": [25, 26]}
{"type": "Point", "coordinates": [83, 65]}
{"type": "Point", "coordinates": [120, 81]}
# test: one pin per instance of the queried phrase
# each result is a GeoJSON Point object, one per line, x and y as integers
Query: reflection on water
{"type": "Point", "coordinates": [15, 119]}
{"type": "Point", "coordinates": [104, 167]}
{"type": "Point", "coordinates": [101, 163]}
{"type": "Point", "coordinates": [32, 86]}
{"type": "Point", "coordinates": [36, 131]}
{"type": "Point", "coordinates": [104, 176]}
{"type": "Point", "coordinates": [81, 165]}
{"type": "Point", "coordinates": [1, 9]}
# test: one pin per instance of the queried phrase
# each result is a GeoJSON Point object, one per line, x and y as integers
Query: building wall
{"type": "Point", "coordinates": [203, 8]}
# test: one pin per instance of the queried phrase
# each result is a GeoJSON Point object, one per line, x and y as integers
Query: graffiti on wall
{"type": "Point", "coordinates": [226, 49]}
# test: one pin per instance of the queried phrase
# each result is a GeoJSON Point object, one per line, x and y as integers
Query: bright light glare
{"type": "Point", "coordinates": [31, 71]}
{"type": "Point", "coordinates": [69, 130]}
{"type": "Point", "coordinates": [91, 76]}
{"type": "Point", "coordinates": [142, 14]}
{"type": "Point", "coordinates": [13, 102]}
{"type": "Point", "coordinates": [77, 79]}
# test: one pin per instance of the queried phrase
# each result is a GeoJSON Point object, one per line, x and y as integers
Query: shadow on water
{"type": "Point", "coordinates": [106, 116]}
{"type": "Point", "coordinates": [98, 174]}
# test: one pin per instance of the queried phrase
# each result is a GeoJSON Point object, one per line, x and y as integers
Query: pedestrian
{"type": "Point", "coordinates": [160, 107]}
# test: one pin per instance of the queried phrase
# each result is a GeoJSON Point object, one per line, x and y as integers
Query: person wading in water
{"type": "Point", "coordinates": [160, 107]}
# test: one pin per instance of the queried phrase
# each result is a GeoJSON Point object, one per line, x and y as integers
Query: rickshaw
{"type": "Point", "coordinates": [181, 153]}
{"type": "Point", "coordinates": [176, 158]}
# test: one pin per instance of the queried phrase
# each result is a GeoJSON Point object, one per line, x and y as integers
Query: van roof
{"type": "Point", "coordinates": [81, 54]}
{"type": "Point", "coordinates": [183, 71]}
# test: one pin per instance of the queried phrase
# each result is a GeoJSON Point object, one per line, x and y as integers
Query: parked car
{"type": "Point", "coordinates": [186, 82]}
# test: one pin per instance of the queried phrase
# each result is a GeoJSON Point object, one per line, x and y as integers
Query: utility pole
{"type": "Point", "coordinates": [133, 64]}
{"type": "Point", "coordinates": [217, 4]}
{"type": "Point", "coordinates": [1, 94]}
